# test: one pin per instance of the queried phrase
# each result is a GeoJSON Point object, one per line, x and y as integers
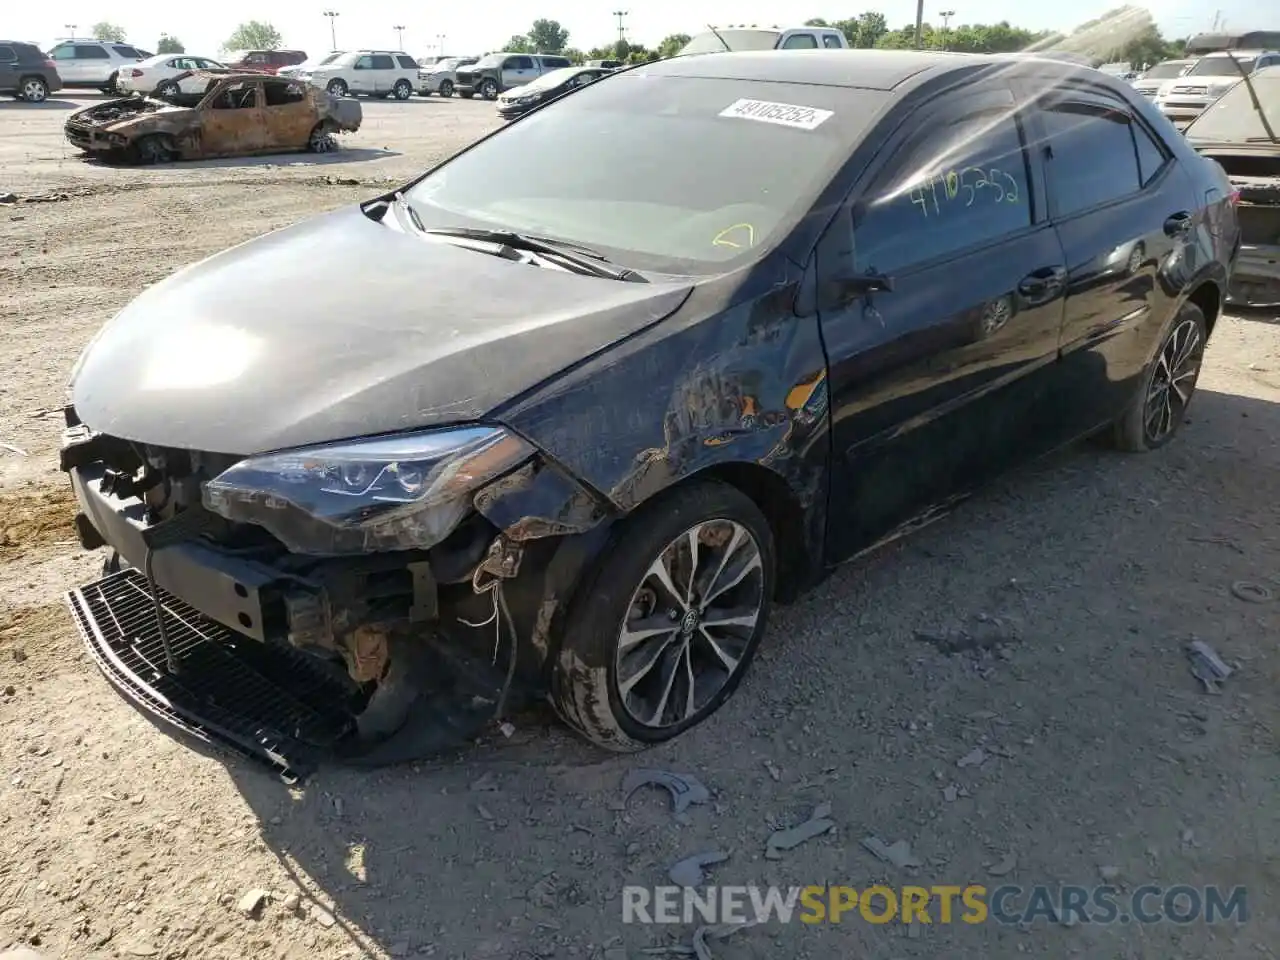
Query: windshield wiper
{"type": "Point", "coordinates": [583, 259]}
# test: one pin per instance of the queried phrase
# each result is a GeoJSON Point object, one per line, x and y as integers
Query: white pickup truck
{"type": "Point", "coordinates": [766, 38]}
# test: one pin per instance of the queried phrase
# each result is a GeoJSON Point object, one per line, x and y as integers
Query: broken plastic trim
{"type": "Point", "coordinates": [383, 494]}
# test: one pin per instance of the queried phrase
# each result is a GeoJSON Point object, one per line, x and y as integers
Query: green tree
{"type": "Point", "coordinates": [816, 22]}
{"type": "Point", "coordinates": [637, 53]}
{"type": "Point", "coordinates": [601, 53]}
{"type": "Point", "coordinates": [547, 36]}
{"type": "Point", "coordinates": [671, 45]}
{"type": "Point", "coordinates": [518, 43]}
{"type": "Point", "coordinates": [170, 44]}
{"type": "Point", "coordinates": [1148, 48]}
{"type": "Point", "coordinates": [108, 31]}
{"type": "Point", "coordinates": [254, 35]}
{"type": "Point", "coordinates": [575, 56]}
{"type": "Point", "coordinates": [871, 27]}
{"type": "Point", "coordinates": [620, 51]}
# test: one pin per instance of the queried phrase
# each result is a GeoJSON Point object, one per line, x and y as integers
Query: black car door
{"type": "Point", "coordinates": [1124, 210]}
{"type": "Point", "coordinates": [8, 67]}
{"type": "Point", "coordinates": [935, 384]}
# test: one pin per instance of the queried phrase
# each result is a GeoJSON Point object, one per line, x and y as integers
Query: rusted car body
{"type": "Point", "coordinates": [238, 115]}
{"type": "Point", "coordinates": [1241, 131]}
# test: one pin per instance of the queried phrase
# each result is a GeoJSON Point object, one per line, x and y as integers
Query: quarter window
{"type": "Point", "coordinates": [128, 52]}
{"type": "Point", "coordinates": [800, 41]}
{"type": "Point", "coordinates": [1093, 158]}
{"type": "Point", "coordinates": [1151, 155]}
{"type": "Point", "coordinates": [958, 187]}
{"type": "Point", "coordinates": [408, 63]}
{"type": "Point", "coordinates": [831, 42]}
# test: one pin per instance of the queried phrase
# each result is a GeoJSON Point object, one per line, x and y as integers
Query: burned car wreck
{"type": "Point", "coordinates": [570, 434]}
{"type": "Point", "coordinates": [1241, 131]}
{"type": "Point", "coordinates": [214, 115]}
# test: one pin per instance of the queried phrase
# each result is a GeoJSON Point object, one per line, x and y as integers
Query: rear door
{"type": "Point", "coordinates": [384, 72]}
{"type": "Point", "coordinates": [8, 67]}
{"type": "Point", "coordinates": [361, 77]}
{"type": "Point", "coordinates": [939, 383]}
{"type": "Point", "coordinates": [1124, 211]}
{"type": "Point", "coordinates": [287, 114]}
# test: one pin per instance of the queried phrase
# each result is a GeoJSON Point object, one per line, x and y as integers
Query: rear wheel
{"type": "Point", "coordinates": [321, 139]}
{"type": "Point", "coordinates": [1161, 406]}
{"type": "Point", "coordinates": [664, 629]}
{"type": "Point", "coordinates": [33, 89]}
{"type": "Point", "coordinates": [167, 90]}
{"type": "Point", "coordinates": [446, 89]}
{"type": "Point", "coordinates": [403, 90]}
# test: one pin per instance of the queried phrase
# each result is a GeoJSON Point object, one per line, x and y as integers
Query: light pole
{"type": "Point", "coordinates": [622, 31]}
{"type": "Point", "coordinates": [440, 40]}
{"type": "Point", "coordinates": [946, 16]}
{"type": "Point", "coordinates": [919, 24]}
{"type": "Point", "coordinates": [399, 37]}
{"type": "Point", "coordinates": [333, 33]}
{"type": "Point", "coordinates": [70, 28]}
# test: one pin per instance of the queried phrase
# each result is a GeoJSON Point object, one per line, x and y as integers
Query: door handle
{"type": "Point", "coordinates": [1177, 225]}
{"type": "Point", "coordinates": [1041, 286]}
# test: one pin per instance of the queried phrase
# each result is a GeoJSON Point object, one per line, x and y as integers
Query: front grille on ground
{"type": "Point", "coordinates": [267, 701]}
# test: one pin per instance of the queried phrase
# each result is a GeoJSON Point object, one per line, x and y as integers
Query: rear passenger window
{"type": "Point", "coordinates": [7, 54]}
{"type": "Point", "coordinates": [958, 187]}
{"type": "Point", "coordinates": [1093, 158]}
{"type": "Point", "coordinates": [830, 42]}
{"type": "Point", "coordinates": [383, 62]}
{"type": "Point", "coordinates": [800, 41]}
{"type": "Point", "coordinates": [283, 94]}
{"type": "Point", "coordinates": [1151, 155]}
{"type": "Point", "coordinates": [91, 53]}
{"type": "Point", "coordinates": [407, 63]}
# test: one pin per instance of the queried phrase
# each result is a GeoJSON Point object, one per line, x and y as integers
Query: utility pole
{"type": "Point", "coordinates": [333, 33]}
{"type": "Point", "coordinates": [919, 24]}
{"type": "Point", "coordinates": [399, 37]}
{"type": "Point", "coordinates": [622, 31]}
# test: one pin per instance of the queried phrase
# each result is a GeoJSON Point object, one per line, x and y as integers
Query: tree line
{"type": "Point", "coordinates": [864, 31]}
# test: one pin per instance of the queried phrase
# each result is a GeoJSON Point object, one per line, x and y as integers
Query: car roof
{"type": "Point", "coordinates": [1234, 53]}
{"type": "Point", "coordinates": [855, 69]}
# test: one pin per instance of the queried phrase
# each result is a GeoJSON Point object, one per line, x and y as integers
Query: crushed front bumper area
{"type": "Point", "coordinates": [244, 647]}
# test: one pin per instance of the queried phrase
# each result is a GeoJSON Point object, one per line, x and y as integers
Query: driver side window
{"type": "Point", "coordinates": [957, 187]}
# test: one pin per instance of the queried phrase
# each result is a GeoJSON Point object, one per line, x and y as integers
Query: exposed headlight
{"type": "Point", "coordinates": [403, 492]}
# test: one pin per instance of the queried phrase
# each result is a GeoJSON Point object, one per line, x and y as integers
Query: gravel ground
{"type": "Point", "coordinates": [1101, 756]}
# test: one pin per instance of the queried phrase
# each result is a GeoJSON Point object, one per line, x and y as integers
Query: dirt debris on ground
{"type": "Point", "coordinates": [1103, 758]}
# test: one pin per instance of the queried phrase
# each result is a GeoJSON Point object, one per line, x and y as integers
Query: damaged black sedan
{"type": "Point", "coordinates": [569, 433]}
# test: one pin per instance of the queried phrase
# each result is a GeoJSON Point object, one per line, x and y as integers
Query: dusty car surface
{"type": "Point", "coordinates": [237, 115]}
{"type": "Point", "coordinates": [572, 432]}
{"type": "Point", "coordinates": [1242, 133]}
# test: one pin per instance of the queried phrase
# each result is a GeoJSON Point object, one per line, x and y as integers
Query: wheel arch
{"type": "Point", "coordinates": [1208, 296]}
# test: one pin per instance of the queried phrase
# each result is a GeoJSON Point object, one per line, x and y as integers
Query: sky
{"type": "Point", "coordinates": [476, 27]}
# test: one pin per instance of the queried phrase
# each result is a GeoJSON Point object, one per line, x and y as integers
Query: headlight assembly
{"type": "Point", "coordinates": [362, 496]}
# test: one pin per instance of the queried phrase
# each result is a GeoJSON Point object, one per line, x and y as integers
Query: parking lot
{"type": "Point", "coordinates": [1090, 753]}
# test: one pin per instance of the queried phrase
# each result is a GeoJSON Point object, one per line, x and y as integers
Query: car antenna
{"type": "Point", "coordinates": [1253, 96]}
{"type": "Point", "coordinates": [720, 38]}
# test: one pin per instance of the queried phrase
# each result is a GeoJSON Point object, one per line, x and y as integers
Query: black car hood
{"type": "Point", "coordinates": [340, 327]}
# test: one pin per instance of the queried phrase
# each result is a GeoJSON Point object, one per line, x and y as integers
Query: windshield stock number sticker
{"type": "Point", "coordinates": [783, 114]}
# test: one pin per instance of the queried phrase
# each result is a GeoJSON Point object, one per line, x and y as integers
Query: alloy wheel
{"type": "Point", "coordinates": [690, 623]}
{"type": "Point", "coordinates": [34, 91]}
{"type": "Point", "coordinates": [1173, 381]}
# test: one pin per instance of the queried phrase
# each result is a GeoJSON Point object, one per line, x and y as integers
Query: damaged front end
{"type": "Point", "coordinates": [95, 129]}
{"type": "Point", "coordinates": [351, 600]}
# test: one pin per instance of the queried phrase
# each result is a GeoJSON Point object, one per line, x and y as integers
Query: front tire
{"type": "Point", "coordinates": [446, 89]}
{"type": "Point", "coordinates": [654, 644]}
{"type": "Point", "coordinates": [337, 88]}
{"type": "Point", "coordinates": [1168, 385]}
{"type": "Point", "coordinates": [489, 90]}
{"type": "Point", "coordinates": [153, 149]}
{"type": "Point", "coordinates": [403, 90]}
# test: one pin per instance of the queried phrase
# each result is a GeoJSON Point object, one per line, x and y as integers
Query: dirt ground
{"type": "Point", "coordinates": [1102, 757]}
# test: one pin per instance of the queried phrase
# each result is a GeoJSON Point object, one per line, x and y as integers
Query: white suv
{"type": "Point", "coordinates": [94, 63]}
{"type": "Point", "coordinates": [370, 73]}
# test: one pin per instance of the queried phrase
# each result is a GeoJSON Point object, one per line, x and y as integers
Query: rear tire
{"type": "Point", "coordinates": [623, 590]}
{"type": "Point", "coordinates": [167, 90]}
{"type": "Point", "coordinates": [1168, 386]}
{"type": "Point", "coordinates": [321, 138]}
{"type": "Point", "coordinates": [33, 90]}
{"type": "Point", "coordinates": [403, 90]}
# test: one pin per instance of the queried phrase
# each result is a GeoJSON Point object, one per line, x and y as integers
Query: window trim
{"type": "Point", "coordinates": [1100, 99]}
{"type": "Point", "coordinates": [915, 127]}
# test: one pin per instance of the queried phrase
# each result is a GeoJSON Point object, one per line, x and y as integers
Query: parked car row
{"type": "Point", "coordinates": [1183, 89]}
